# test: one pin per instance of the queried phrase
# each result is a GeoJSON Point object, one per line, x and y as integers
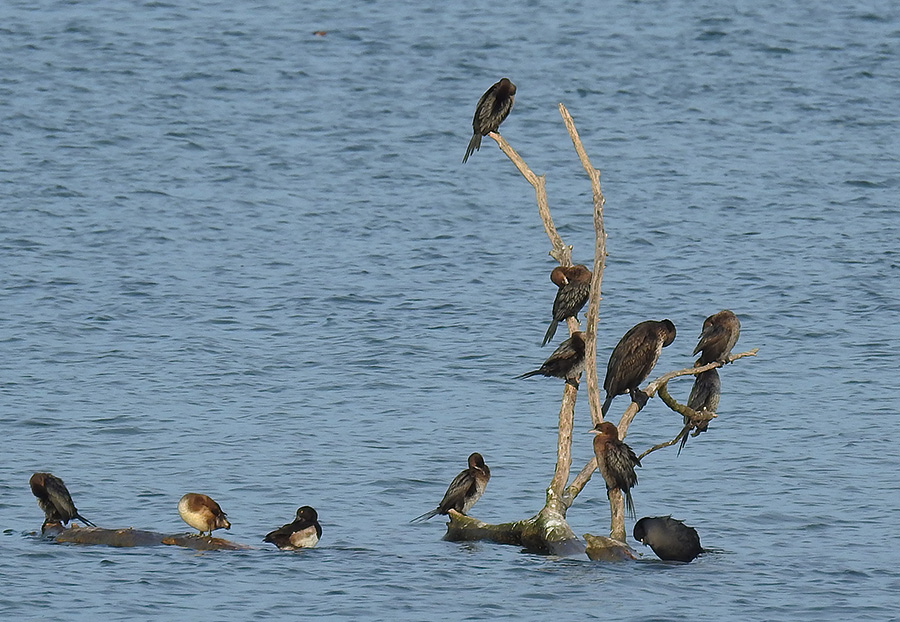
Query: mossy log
{"type": "Point", "coordinates": [545, 533]}
{"type": "Point", "coordinates": [601, 548]}
{"type": "Point", "coordinates": [139, 537]}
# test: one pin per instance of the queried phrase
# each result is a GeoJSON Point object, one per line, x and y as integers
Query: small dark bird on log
{"type": "Point", "coordinates": [202, 513]}
{"type": "Point", "coordinates": [492, 109]}
{"type": "Point", "coordinates": [633, 359]}
{"type": "Point", "coordinates": [720, 332]}
{"type": "Point", "coordinates": [616, 461]}
{"type": "Point", "coordinates": [465, 489]}
{"type": "Point", "coordinates": [54, 499]}
{"type": "Point", "coordinates": [704, 398]}
{"type": "Point", "coordinates": [574, 283]}
{"type": "Point", "coordinates": [566, 362]}
{"type": "Point", "coordinates": [303, 533]}
{"type": "Point", "coordinates": [669, 538]}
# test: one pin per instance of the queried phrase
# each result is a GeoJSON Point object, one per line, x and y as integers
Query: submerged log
{"type": "Point", "coordinates": [546, 533]}
{"type": "Point", "coordinates": [601, 548]}
{"type": "Point", "coordinates": [138, 537]}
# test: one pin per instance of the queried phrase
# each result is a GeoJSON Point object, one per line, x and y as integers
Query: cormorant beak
{"type": "Point", "coordinates": [593, 431]}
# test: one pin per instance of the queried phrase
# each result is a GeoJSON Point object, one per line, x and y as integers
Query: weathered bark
{"type": "Point", "coordinates": [139, 537]}
{"type": "Point", "coordinates": [601, 548]}
{"type": "Point", "coordinates": [545, 533]}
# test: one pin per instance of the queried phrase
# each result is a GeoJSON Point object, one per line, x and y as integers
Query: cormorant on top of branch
{"type": "Point", "coordinates": [574, 283]}
{"type": "Point", "coordinates": [54, 499]}
{"type": "Point", "coordinates": [669, 538]}
{"type": "Point", "coordinates": [704, 397]}
{"type": "Point", "coordinates": [616, 461]}
{"type": "Point", "coordinates": [566, 362]}
{"type": "Point", "coordinates": [633, 359]}
{"type": "Point", "coordinates": [303, 533]}
{"type": "Point", "coordinates": [202, 513]}
{"type": "Point", "coordinates": [492, 109]}
{"type": "Point", "coordinates": [720, 332]}
{"type": "Point", "coordinates": [465, 489]}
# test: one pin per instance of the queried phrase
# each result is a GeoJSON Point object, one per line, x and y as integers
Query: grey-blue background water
{"type": "Point", "coordinates": [243, 259]}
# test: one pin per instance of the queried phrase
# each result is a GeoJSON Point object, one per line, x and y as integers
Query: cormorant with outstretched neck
{"type": "Point", "coordinates": [720, 332]}
{"type": "Point", "coordinates": [54, 499]}
{"type": "Point", "coordinates": [465, 489]}
{"type": "Point", "coordinates": [492, 109]}
{"type": "Point", "coordinates": [633, 359]}
{"type": "Point", "coordinates": [616, 461]}
{"type": "Point", "coordinates": [574, 283]}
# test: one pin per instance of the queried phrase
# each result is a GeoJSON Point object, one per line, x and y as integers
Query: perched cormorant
{"type": "Point", "coordinates": [54, 499]}
{"type": "Point", "coordinates": [704, 397]}
{"type": "Point", "coordinates": [566, 362]}
{"type": "Point", "coordinates": [720, 332]}
{"type": "Point", "coordinates": [492, 109]}
{"type": "Point", "coordinates": [633, 359]}
{"type": "Point", "coordinates": [303, 533]}
{"type": "Point", "coordinates": [465, 489]}
{"type": "Point", "coordinates": [574, 283]}
{"type": "Point", "coordinates": [616, 461]}
{"type": "Point", "coordinates": [202, 513]}
{"type": "Point", "coordinates": [669, 538]}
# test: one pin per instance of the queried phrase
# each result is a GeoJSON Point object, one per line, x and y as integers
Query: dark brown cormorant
{"type": "Point", "coordinates": [465, 489]}
{"type": "Point", "coordinates": [704, 397]}
{"type": "Point", "coordinates": [202, 513]}
{"type": "Point", "coordinates": [669, 538]}
{"type": "Point", "coordinates": [720, 332]}
{"type": "Point", "coordinates": [54, 499]}
{"type": "Point", "coordinates": [566, 362]}
{"type": "Point", "coordinates": [633, 359]}
{"type": "Point", "coordinates": [303, 533]}
{"type": "Point", "coordinates": [492, 109]}
{"type": "Point", "coordinates": [616, 461]}
{"type": "Point", "coordinates": [574, 283]}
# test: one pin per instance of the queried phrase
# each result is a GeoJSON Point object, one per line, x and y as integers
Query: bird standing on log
{"type": "Point", "coordinates": [566, 362]}
{"type": "Point", "coordinates": [574, 283]}
{"type": "Point", "coordinates": [633, 359]}
{"type": "Point", "coordinates": [202, 513]}
{"type": "Point", "coordinates": [54, 499]}
{"type": "Point", "coordinates": [719, 335]}
{"type": "Point", "coordinates": [303, 533]}
{"type": "Point", "coordinates": [465, 489]}
{"type": "Point", "coordinates": [492, 109]}
{"type": "Point", "coordinates": [616, 461]}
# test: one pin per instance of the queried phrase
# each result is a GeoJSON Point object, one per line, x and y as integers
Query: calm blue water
{"type": "Point", "coordinates": [245, 260]}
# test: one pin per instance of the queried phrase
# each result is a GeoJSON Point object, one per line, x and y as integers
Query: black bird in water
{"type": "Point", "coordinates": [54, 499]}
{"type": "Point", "coordinates": [492, 109]}
{"type": "Point", "coordinates": [720, 332]}
{"type": "Point", "coordinates": [574, 283]}
{"type": "Point", "coordinates": [669, 538]}
{"type": "Point", "coordinates": [616, 461]}
{"type": "Point", "coordinates": [633, 359]}
{"type": "Point", "coordinates": [566, 362]}
{"type": "Point", "coordinates": [465, 489]}
{"type": "Point", "coordinates": [303, 533]}
{"type": "Point", "coordinates": [704, 397]}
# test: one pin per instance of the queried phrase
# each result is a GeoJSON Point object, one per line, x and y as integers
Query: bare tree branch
{"type": "Point", "coordinates": [560, 252]}
{"type": "Point", "coordinates": [584, 476]}
{"type": "Point", "coordinates": [593, 312]}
